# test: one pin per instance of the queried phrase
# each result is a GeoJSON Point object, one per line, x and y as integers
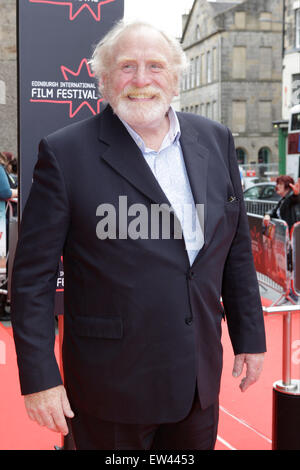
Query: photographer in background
{"type": "Point", "coordinates": [287, 209]}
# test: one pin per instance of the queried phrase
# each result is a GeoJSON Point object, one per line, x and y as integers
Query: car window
{"type": "Point", "coordinates": [268, 192]}
{"type": "Point", "coordinates": [252, 193]}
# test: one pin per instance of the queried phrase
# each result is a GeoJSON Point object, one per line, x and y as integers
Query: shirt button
{"type": "Point", "coordinates": [189, 321]}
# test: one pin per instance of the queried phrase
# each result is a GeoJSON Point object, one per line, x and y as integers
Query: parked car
{"type": "Point", "coordinates": [262, 191]}
{"type": "Point", "coordinates": [249, 181]}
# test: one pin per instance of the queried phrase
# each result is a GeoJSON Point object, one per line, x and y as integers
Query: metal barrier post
{"type": "Point", "coordinates": [286, 349]}
{"type": "Point", "coordinates": [286, 392]}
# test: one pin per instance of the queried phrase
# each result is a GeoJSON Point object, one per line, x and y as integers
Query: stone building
{"type": "Point", "coordinates": [8, 77]}
{"type": "Point", "coordinates": [235, 71]}
{"type": "Point", "coordinates": [291, 57]}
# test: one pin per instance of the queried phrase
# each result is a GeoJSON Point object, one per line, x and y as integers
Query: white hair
{"type": "Point", "coordinates": [102, 56]}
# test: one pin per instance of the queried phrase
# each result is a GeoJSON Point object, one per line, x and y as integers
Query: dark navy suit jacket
{"type": "Point", "coordinates": [141, 326]}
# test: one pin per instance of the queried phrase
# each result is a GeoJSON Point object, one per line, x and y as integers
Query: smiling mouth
{"type": "Point", "coordinates": [141, 97]}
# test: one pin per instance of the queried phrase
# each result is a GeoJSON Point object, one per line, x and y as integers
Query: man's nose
{"type": "Point", "coordinates": [141, 77]}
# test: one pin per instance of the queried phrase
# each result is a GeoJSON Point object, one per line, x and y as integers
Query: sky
{"type": "Point", "coordinates": [165, 14]}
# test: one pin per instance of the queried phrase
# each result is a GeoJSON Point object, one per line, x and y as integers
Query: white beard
{"type": "Point", "coordinates": [141, 113]}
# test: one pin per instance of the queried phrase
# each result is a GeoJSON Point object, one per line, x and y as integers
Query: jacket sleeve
{"type": "Point", "coordinates": [295, 198]}
{"type": "Point", "coordinates": [240, 290]}
{"type": "Point", "coordinates": [43, 230]}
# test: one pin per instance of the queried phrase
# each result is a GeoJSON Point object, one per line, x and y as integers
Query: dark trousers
{"type": "Point", "coordinates": [198, 431]}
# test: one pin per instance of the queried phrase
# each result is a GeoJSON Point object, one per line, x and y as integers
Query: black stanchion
{"type": "Point", "coordinates": [286, 418]}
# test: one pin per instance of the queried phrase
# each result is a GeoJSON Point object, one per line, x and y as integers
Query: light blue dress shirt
{"type": "Point", "coordinates": [169, 169]}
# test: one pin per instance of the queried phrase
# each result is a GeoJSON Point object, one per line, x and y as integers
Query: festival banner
{"type": "Point", "coordinates": [270, 249]}
{"type": "Point", "coordinates": [55, 84]}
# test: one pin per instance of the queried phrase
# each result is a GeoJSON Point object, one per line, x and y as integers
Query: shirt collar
{"type": "Point", "coordinates": [171, 137]}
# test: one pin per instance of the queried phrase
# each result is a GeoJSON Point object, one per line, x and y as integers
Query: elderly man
{"type": "Point", "coordinates": [147, 209]}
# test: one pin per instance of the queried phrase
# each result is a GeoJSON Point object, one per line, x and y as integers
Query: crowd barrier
{"type": "Point", "coordinates": [276, 252]}
{"type": "Point", "coordinates": [258, 206]}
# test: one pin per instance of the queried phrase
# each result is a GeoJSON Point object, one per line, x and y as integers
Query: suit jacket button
{"type": "Point", "coordinates": [191, 275]}
{"type": "Point", "coordinates": [189, 321]}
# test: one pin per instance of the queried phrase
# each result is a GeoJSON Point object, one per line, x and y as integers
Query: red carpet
{"type": "Point", "coordinates": [245, 418]}
{"type": "Point", "coordinates": [17, 431]}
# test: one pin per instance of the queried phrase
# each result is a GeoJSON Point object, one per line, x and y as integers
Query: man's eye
{"type": "Point", "coordinates": [156, 67]}
{"type": "Point", "coordinates": [128, 67]}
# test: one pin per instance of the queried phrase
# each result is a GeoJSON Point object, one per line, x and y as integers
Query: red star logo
{"type": "Point", "coordinates": [94, 8]}
{"type": "Point", "coordinates": [78, 102]}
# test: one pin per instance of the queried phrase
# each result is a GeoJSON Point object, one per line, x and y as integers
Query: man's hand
{"type": "Point", "coordinates": [254, 365]}
{"type": "Point", "coordinates": [49, 408]}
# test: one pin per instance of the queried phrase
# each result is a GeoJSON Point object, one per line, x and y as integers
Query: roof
{"type": "Point", "coordinates": [218, 8]}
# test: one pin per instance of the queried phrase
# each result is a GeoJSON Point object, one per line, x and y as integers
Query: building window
{"type": "Point", "coordinates": [188, 78]}
{"type": "Point", "coordinates": [265, 63]}
{"type": "Point", "coordinates": [240, 19]}
{"type": "Point", "coordinates": [215, 67]}
{"type": "Point", "coordinates": [265, 19]}
{"type": "Point", "coordinates": [203, 69]}
{"type": "Point", "coordinates": [197, 33]}
{"type": "Point", "coordinates": [264, 155]}
{"type": "Point", "coordinates": [239, 116]}
{"type": "Point", "coordinates": [297, 22]}
{"type": "Point", "coordinates": [208, 67]}
{"type": "Point", "coordinates": [295, 89]}
{"type": "Point", "coordinates": [241, 156]}
{"type": "Point", "coordinates": [198, 71]}
{"type": "Point", "coordinates": [192, 73]}
{"type": "Point", "coordinates": [239, 62]}
{"type": "Point", "coordinates": [265, 116]}
{"type": "Point", "coordinates": [215, 111]}
{"type": "Point", "coordinates": [208, 110]}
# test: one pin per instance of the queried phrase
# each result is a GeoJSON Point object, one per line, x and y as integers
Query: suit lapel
{"type": "Point", "coordinates": [124, 156]}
